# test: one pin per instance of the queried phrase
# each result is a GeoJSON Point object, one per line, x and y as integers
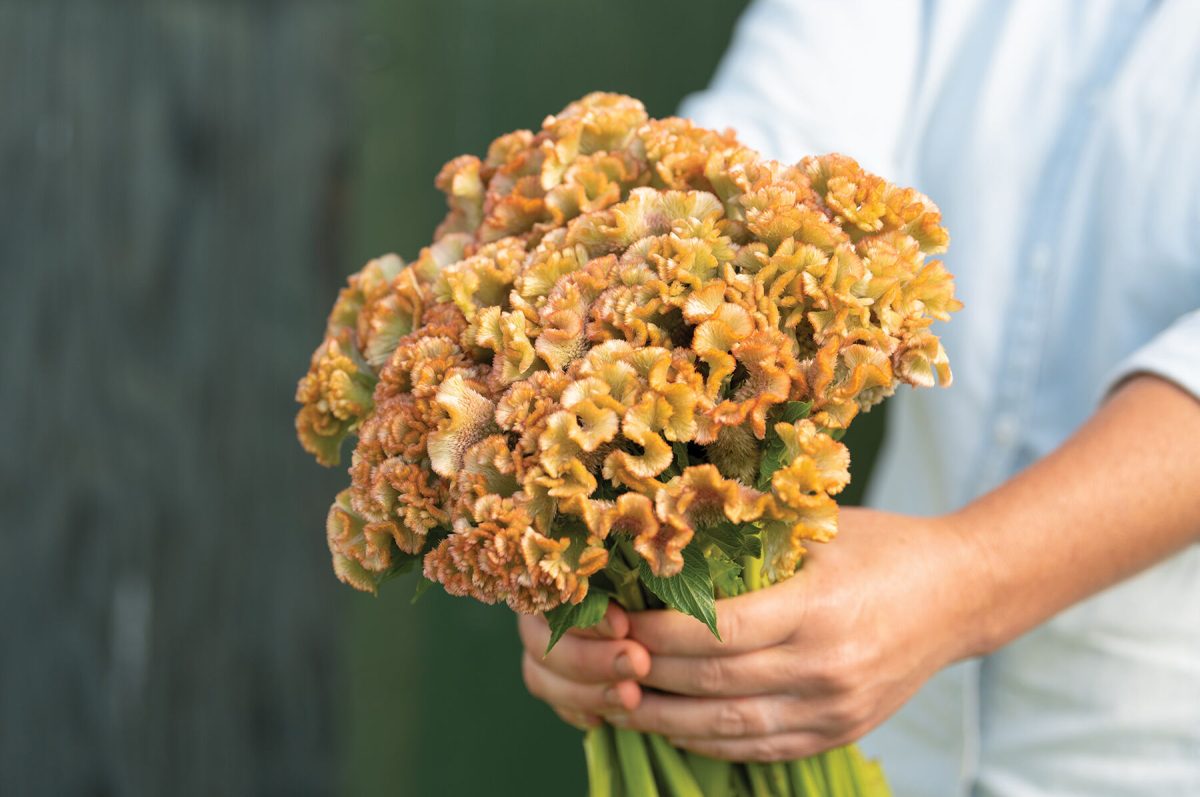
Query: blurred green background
{"type": "Point", "coordinates": [185, 185]}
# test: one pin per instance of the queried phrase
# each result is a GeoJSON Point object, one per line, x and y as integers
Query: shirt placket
{"type": "Point", "coordinates": [1030, 313]}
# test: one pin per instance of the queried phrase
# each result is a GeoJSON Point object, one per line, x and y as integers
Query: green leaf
{"type": "Point", "coordinates": [405, 562]}
{"type": "Point", "coordinates": [793, 411]}
{"type": "Point", "coordinates": [584, 614]}
{"type": "Point", "coordinates": [680, 450]}
{"type": "Point", "coordinates": [726, 574]}
{"type": "Point", "coordinates": [422, 587]}
{"type": "Point", "coordinates": [690, 591]}
{"type": "Point", "coordinates": [736, 540]}
{"type": "Point", "coordinates": [402, 563]}
{"type": "Point", "coordinates": [774, 455]}
{"type": "Point", "coordinates": [771, 461]}
{"type": "Point", "coordinates": [591, 609]}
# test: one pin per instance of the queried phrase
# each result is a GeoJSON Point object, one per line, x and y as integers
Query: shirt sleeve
{"type": "Point", "coordinates": [805, 78]}
{"type": "Point", "coordinates": [1174, 355]}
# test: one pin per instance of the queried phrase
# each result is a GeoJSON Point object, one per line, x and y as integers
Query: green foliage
{"type": "Point", "coordinates": [584, 614]}
{"type": "Point", "coordinates": [726, 574]}
{"type": "Point", "coordinates": [407, 562]}
{"type": "Point", "coordinates": [423, 586]}
{"type": "Point", "coordinates": [736, 540]}
{"type": "Point", "coordinates": [689, 591]}
{"type": "Point", "coordinates": [726, 546]}
{"type": "Point", "coordinates": [680, 459]}
{"type": "Point", "coordinates": [404, 563]}
{"type": "Point", "coordinates": [792, 411]}
{"type": "Point", "coordinates": [774, 455]}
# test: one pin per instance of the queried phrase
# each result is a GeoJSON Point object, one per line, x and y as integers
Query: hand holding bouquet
{"type": "Point", "coordinates": [620, 372]}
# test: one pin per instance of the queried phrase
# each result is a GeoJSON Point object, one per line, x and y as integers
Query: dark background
{"type": "Point", "coordinates": [183, 186]}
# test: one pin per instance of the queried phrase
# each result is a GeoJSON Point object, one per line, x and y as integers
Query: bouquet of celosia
{"type": "Point", "coordinates": [620, 372]}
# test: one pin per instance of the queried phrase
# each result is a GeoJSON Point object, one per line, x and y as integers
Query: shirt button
{"type": "Point", "coordinates": [1005, 431]}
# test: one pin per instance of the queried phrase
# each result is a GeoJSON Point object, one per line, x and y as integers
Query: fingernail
{"type": "Point", "coordinates": [612, 696]}
{"type": "Point", "coordinates": [618, 719]}
{"type": "Point", "coordinates": [624, 667]}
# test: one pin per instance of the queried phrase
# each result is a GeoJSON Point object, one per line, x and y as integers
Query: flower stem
{"type": "Point", "coordinates": [816, 772]}
{"type": "Point", "coordinates": [760, 783]}
{"type": "Point", "coordinates": [597, 749]}
{"type": "Point", "coordinates": [752, 572]}
{"type": "Point", "coordinates": [676, 775]}
{"type": "Point", "coordinates": [801, 784]}
{"type": "Point", "coordinates": [629, 595]}
{"type": "Point", "coordinates": [837, 775]}
{"type": "Point", "coordinates": [635, 763]}
{"type": "Point", "coordinates": [835, 780]}
{"type": "Point", "coordinates": [714, 775]}
{"type": "Point", "coordinates": [868, 777]}
{"type": "Point", "coordinates": [741, 787]}
{"type": "Point", "coordinates": [778, 776]}
{"type": "Point", "coordinates": [628, 586]}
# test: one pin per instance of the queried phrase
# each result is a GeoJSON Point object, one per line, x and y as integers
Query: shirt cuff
{"type": "Point", "coordinates": [1174, 355]}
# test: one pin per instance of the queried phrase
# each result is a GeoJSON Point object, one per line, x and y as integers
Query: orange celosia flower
{"type": "Point", "coordinates": [700, 496]}
{"type": "Point", "coordinates": [360, 551]}
{"type": "Point", "coordinates": [598, 344]}
{"type": "Point", "coordinates": [469, 416]}
{"type": "Point", "coordinates": [336, 394]}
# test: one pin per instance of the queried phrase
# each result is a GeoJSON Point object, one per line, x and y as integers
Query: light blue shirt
{"type": "Point", "coordinates": [1062, 142]}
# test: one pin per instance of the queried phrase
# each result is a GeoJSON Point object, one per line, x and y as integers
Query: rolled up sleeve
{"type": "Point", "coordinates": [1173, 355]}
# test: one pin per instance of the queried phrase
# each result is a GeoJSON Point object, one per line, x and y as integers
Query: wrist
{"type": "Point", "coordinates": [976, 622]}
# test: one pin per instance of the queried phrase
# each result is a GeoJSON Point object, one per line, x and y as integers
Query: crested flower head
{"type": "Point", "coordinates": [605, 347]}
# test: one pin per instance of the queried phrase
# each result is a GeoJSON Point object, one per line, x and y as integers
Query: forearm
{"type": "Point", "coordinates": [1120, 495]}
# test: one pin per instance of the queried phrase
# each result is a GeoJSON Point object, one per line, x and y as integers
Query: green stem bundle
{"type": "Point", "coordinates": [635, 764]}
{"type": "Point", "coordinates": [627, 763]}
{"type": "Point", "coordinates": [601, 766]}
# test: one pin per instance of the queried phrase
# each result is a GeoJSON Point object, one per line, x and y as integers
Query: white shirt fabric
{"type": "Point", "coordinates": [1061, 140]}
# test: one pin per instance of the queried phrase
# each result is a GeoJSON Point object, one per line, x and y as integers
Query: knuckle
{"type": "Point", "coordinates": [825, 680]}
{"type": "Point", "coordinates": [846, 713]}
{"type": "Point", "coordinates": [710, 675]}
{"type": "Point", "coordinates": [744, 718]}
{"type": "Point", "coordinates": [731, 719]}
{"type": "Point", "coordinates": [791, 671]}
{"type": "Point", "coordinates": [853, 657]}
{"type": "Point", "coordinates": [839, 672]}
{"type": "Point", "coordinates": [766, 750]}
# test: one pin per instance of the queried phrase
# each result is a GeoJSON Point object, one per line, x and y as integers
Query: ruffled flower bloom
{"type": "Point", "coordinates": [592, 359]}
{"type": "Point", "coordinates": [803, 508]}
{"type": "Point", "coordinates": [336, 394]}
